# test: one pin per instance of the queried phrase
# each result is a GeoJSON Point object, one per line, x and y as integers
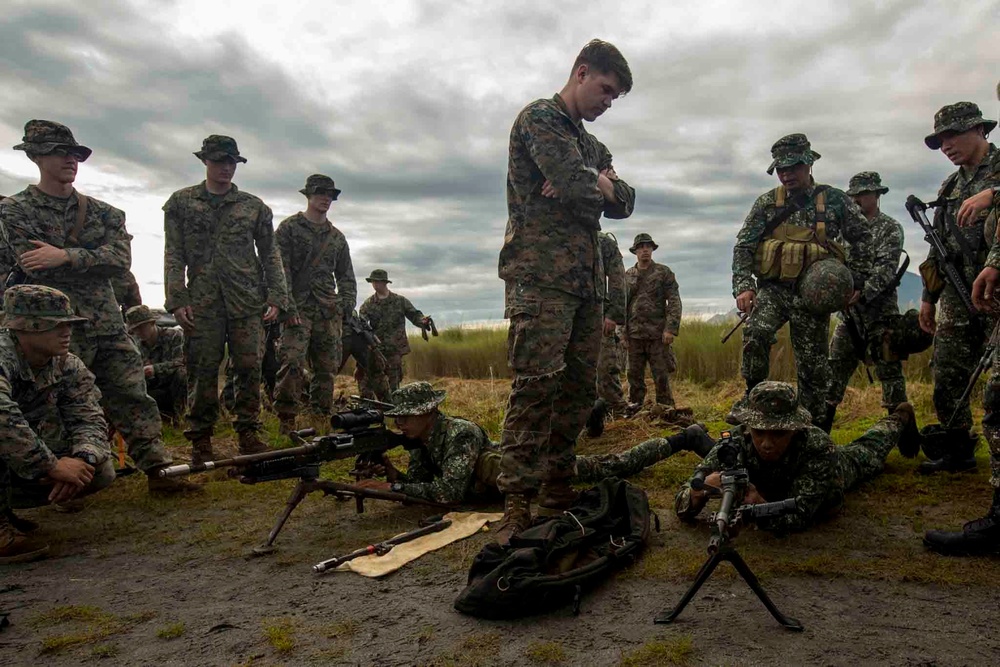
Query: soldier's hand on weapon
{"type": "Point", "coordinates": [388, 469]}
{"type": "Point", "coordinates": [69, 475]}
{"type": "Point", "coordinates": [147, 371]}
{"type": "Point", "coordinates": [714, 480]}
{"type": "Point", "coordinates": [973, 206]}
{"type": "Point", "coordinates": [44, 256]}
{"type": "Point", "coordinates": [984, 289]}
{"type": "Point", "coordinates": [668, 338]}
{"type": "Point", "coordinates": [374, 485]}
{"type": "Point", "coordinates": [927, 317]}
{"type": "Point", "coordinates": [609, 326]}
{"type": "Point", "coordinates": [271, 314]}
{"type": "Point", "coordinates": [753, 496]}
{"type": "Point", "coordinates": [185, 317]}
{"type": "Point", "coordinates": [746, 301]}
{"type": "Point", "coordinates": [855, 297]}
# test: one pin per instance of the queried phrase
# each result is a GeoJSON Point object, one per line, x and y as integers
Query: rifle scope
{"type": "Point", "coordinates": [356, 419]}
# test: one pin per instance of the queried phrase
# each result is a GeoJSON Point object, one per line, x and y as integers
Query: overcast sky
{"type": "Point", "coordinates": [408, 106]}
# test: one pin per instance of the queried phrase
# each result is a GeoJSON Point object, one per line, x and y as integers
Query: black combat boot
{"type": "Point", "coordinates": [598, 415]}
{"type": "Point", "coordinates": [826, 422]}
{"type": "Point", "coordinates": [909, 437]}
{"type": "Point", "coordinates": [694, 438]}
{"type": "Point", "coordinates": [977, 538]}
{"type": "Point", "coordinates": [960, 456]}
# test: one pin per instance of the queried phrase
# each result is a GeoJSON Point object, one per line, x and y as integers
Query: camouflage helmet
{"type": "Point", "coordinates": [907, 338]}
{"type": "Point", "coordinates": [826, 287]}
{"type": "Point", "coordinates": [320, 183]}
{"type": "Point", "coordinates": [42, 137]}
{"type": "Point", "coordinates": [379, 276]}
{"type": "Point", "coordinates": [36, 308]}
{"type": "Point", "coordinates": [219, 147]}
{"type": "Point", "coordinates": [866, 181]}
{"type": "Point", "coordinates": [415, 398]}
{"type": "Point", "coordinates": [640, 239]}
{"type": "Point", "coordinates": [772, 406]}
{"type": "Point", "coordinates": [958, 117]}
{"type": "Point", "coordinates": [138, 315]}
{"type": "Point", "coordinates": [790, 150]}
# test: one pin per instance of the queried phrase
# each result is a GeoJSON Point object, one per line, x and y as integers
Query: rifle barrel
{"type": "Point", "coordinates": [384, 547]}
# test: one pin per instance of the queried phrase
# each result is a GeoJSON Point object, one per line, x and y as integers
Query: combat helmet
{"type": "Point", "coordinates": [826, 287]}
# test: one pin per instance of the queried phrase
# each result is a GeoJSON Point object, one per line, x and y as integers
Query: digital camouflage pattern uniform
{"type": "Point", "coordinates": [388, 320]}
{"type": "Point", "coordinates": [320, 277]}
{"type": "Point", "coordinates": [654, 306]}
{"type": "Point", "coordinates": [126, 290]}
{"type": "Point", "coordinates": [101, 252]}
{"type": "Point", "coordinates": [609, 381]}
{"type": "Point", "coordinates": [210, 264]}
{"type": "Point", "coordinates": [776, 301]}
{"type": "Point", "coordinates": [878, 309]}
{"type": "Point", "coordinates": [168, 383]}
{"type": "Point", "coordinates": [45, 413]}
{"type": "Point", "coordinates": [551, 264]}
{"type": "Point", "coordinates": [813, 471]}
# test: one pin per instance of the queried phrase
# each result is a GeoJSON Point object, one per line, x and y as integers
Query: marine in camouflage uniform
{"type": "Point", "coordinates": [162, 350]}
{"type": "Point", "coordinates": [126, 290]}
{"type": "Point", "coordinates": [812, 231]}
{"type": "Point", "coordinates": [80, 258]}
{"type": "Point", "coordinates": [879, 307]}
{"type": "Point", "coordinates": [387, 313]}
{"type": "Point", "coordinates": [652, 322]}
{"type": "Point", "coordinates": [49, 410]}
{"type": "Point", "coordinates": [609, 381]}
{"type": "Point", "coordinates": [320, 277]}
{"type": "Point", "coordinates": [222, 271]}
{"type": "Point", "coordinates": [560, 181]}
{"type": "Point", "coordinates": [812, 470]}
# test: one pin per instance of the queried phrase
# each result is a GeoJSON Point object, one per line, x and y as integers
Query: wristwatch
{"type": "Point", "coordinates": [397, 487]}
{"type": "Point", "coordinates": [86, 457]}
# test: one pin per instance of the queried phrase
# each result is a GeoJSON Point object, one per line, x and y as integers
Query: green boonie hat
{"type": "Point", "coordinates": [792, 149]}
{"type": "Point", "coordinates": [379, 276]}
{"type": "Point", "coordinates": [958, 117]}
{"type": "Point", "coordinates": [36, 308]}
{"type": "Point", "coordinates": [773, 406]}
{"type": "Point", "coordinates": [322, 184]}
{"type": "Point", "coordinates": [640, 239]}
{"type": "Point", "coordinates": [42, 137]}
{"type": "Point", "coordinates": [219, 147]}
{"type": "Point", "coordinates": [415, 398]}
{"type": "Point", "coordinates": [137, 315]}
{"type": "Point", "coordinates": [866, 181]}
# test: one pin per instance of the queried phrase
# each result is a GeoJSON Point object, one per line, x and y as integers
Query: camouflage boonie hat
{"type": "Point", "coordinates": [379, 276]}
{"type": "Point", "coordinates": [219, 147]}
{"type": "Point", "coordinates": [415, 398]}
{"type": "Point", "coordinates": [42, 137]}
{"type": "Point", "coordinates": [640, 239]}
{"type": "Point", "coordinates": [958, 117]}
{"type": "Point", "coordinates": [866, 181]}
{"type": "Point", "coordinates": [137, 315]}
{"type": "Point", "coordinates": [790, 150]}
{"type": "Point", "coordinates": [36, 308]}
{"type": "Point", "coordinates": [320, 183]}
{"type": "Point", "coordinates": [773, 406]}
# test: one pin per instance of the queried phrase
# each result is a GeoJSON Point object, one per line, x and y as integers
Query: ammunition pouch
{"type": "Point", "coordinates": [788, 250]}
{"type": "Point", "coordinates": [931, 274]}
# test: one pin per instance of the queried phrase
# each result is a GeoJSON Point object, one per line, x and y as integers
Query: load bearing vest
{"type": "Point", "coordinates": [789, 249]}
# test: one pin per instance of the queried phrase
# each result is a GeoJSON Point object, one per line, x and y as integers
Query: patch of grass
{"type": "Point", "coordinates": [68, 613]}
{"type": "Point", "coordinates": [480, 648]}
{"type": "Point", "coordinates": [343, 629]}
{"type": "Point", "coordinates": [672, 651]}
{"type": "Point", "coordinates": [425, 634]}
{"type": "Point", "coordinates": [98, 625]}
{"type": "Point", "coordinates": [546, 653]}
{"type": "Point", "coordinates": [280, 634]}
{"type": "Point", "coordinates": [172, 631]}
{"type": "Point", "coordinates": [104, 651]}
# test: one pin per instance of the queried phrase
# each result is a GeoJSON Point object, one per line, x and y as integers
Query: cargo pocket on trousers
{"type": "Point", "coordinates": [522, 313]}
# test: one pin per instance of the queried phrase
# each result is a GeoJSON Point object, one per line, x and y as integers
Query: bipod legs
{"type": "Point", "coordinates": [731, 555]}
{"type": "Point", "coordinates": [301, 490]}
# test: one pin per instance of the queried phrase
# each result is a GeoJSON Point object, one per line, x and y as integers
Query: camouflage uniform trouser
{"type": "Point", "coordinates": [317, 338]}
{"type": "Point", "coordinates": [775, 306]}
{"type": "Point", "coordinates": [609, 381]}
{"type": "Point", "coordinates": [844, 360]}
{"type": "Point", "coordinates": [553, 344]}
{"type": "Point", "coordinates": [958, 345]}
{"type": "Point", "coordinates": [117, 364]}
{"type": "Point", "coordinates": [170, 392]}
{"type": "Point", "coordinates": [862, 460]}
{"type": "Point", "coordinates": [991, 422]}
{"type": "Point", "coordinates": [373, 381]}
{"type": "Point", "coordinates": [19, 493]}
{"type": "Point", "coordinates": [658, 356]}
{"type": "Point", "coordinates": [593, 469]}
{"type": "Point", "coordinates": [393, 370]}
{"type": "Point", "coordinates": [206, 346]}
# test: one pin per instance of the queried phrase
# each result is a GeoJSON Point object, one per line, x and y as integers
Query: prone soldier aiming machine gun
{"type": "Point", "coordinates": [726, 523]}
{"type": "Point", "coordinates": [363, 436]}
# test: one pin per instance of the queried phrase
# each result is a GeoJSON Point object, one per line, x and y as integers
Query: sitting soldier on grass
{"type": "Point", "coordinates": [162, 350]}
{"type": "Point", "coordinates": [785, 456]}
{"type": "Point", "coordinates": [458, 463]}
{"type": "Point", "coordinates": [53, 437]}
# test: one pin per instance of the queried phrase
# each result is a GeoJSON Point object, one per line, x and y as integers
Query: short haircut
{"type": "Point", "coordinates": [606, 59]}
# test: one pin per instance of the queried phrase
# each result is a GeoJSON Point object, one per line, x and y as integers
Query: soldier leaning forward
{"type": "Point", "coordinates": [878, 309]}
{"type": "Point", "coordinates": [77, 244]}
{"type": "Point", "coordinates": [609, 382]}
{"type": "Point", "coordinates": [215, 285]}
{"type": "Point", "coordinates": [789, 229]}
{"type": "Point", "coordinates": [163, 363]}
{"type": "Point", "coordinates": [387, 313]}
{"type": "Point", "coordinates": [320, 277]}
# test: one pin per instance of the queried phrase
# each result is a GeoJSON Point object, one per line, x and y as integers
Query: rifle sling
{"type": "Point", "coordinates": [303, 278]}
{"type": "Point", "coordinates": [945, 222]}
{"type": "Point", "coordinates": [82, 202]}
{"type": "Point", "coordinates": [797, 204]}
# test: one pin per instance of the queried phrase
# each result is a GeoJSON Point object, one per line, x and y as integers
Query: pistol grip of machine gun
{"type": "Point", "coordinates": [359, 504]}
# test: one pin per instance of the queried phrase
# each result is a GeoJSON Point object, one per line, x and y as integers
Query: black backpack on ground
{"type": "Point", "coordinates": [552, 562]}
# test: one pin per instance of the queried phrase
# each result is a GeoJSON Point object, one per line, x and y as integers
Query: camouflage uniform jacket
{"type": "Point", "coordinates": [443, 470]}
{"type": "Point", "coordinates": [102, 252]}
{"type": "Point", "coordinates": [878, 301]}
{"type": "Point", "coordinates": [298, 240]}
{"type": "Point", "coordinates": [126, 290]}
{"type": "Point", "coordinates": [844, 223]}
{"type": "Point", "coordinates": [654, 302]}
{"type": "Point", "coordinates": [388, 319]}
{"type": "Point", "coordinates": [614, 273]}
{"type": "Point", "coordinates": [54, 411]}
{"type": "Point", "coordinates": [552, 242]}
{"type": "Point", "coordinates": [167, 355]}
{"type": "Point", "coordinates": [808, 472]}
{"type": "Point", "coordinates": [221, 264]}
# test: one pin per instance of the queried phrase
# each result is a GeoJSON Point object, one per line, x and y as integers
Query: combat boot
{"type": "Point", "coordinates": [554, 498]}
{"type": "Point", "coordinates": [694, 438]}
{"type": "Point", "coordinates": [909, 437]}
{"type": "Point", "coordinates": [15, 546]}
{"type": "Point", "coordinates": [959, 458]}
{"type": "Point", "coordinates": [595, 422]}
{"type": "Point", "coordinates": [168, 486]}
{"type": "Point", "coordinates": [250, 443]}
{"type": "Point", "coordinates": [286, 423]}
{"type": "Point", "coordinates": [826, 423]}
{"type": "Point", "coordinates": [977, 538]}
{"type": "Point", "coordinates": [201, 450]}
{"type": "Point", "coordinates": [516, 517]}
{"type": "Point", "coordinates": [20, 523]}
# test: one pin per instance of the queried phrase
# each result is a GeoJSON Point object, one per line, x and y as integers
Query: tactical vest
{"type": "Point", "coordinates": [788, 250]}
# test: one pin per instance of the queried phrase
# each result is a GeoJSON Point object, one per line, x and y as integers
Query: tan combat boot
{"type": "Point", "coordinates": [15, 546]}
{"type": "Point", "coordinates": [201, 450]}
{"type": "Point", "coordinates": [250, 443]}
{"type": "Point", "coordinates": [516, 517]}
{"type": "Point", "coordinates": [286, 423]}
{"type": "Point", "coordinates": [554, 498]}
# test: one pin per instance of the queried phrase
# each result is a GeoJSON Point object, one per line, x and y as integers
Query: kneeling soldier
{"type": "Point", "coordinates": [162, 351]}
